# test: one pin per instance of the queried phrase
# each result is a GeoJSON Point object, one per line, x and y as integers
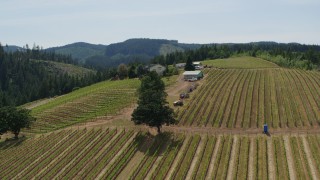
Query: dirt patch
{"type": "Point", "coordinates": [179, 87]}
{"type": "Point", "coordinates": [135, 160]}
{"type": "Point", "coordinates": [174, 90]}
{"type": "Point", "coordinates": [244, 131]}
{"type": "Point", "coordinates": [196, 157]}
{"type": "Point", "coordinates": [5, 136]}
{"type": "Point", "coordinates": [251, 160]}
{"type": "Point", "coordinates": [232, 158]}
{"type": "Point", "coordinates": [271, 164]}
{"type": "Point", "coordinates": [289, 157]}
{"type": "Point", "coordinates": [309, 158]}
{"type": "Point", "coordinates": [177, 158]}
{"type": "Point", "coordinates": [38, 103]}
{"type": "Point", "coordinates": [214, 156]}
{"type": "Point", "coordinates": [122, 119]}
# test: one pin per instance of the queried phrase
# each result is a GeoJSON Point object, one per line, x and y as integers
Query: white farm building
{"type": "Point", "coordinates": [187, 75]}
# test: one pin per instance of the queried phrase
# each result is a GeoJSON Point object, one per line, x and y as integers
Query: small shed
{"type": "Point", "coordinates": [187, 75]}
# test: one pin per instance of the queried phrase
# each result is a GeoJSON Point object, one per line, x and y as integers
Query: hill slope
{"type": "Point", "coordinates": [248, 98]}
{"type": "Point", "coordinates": [12, 48]}
{"type": "Point", "coordinates": [101, 99]}
{"type": "Point", "coordinates": [24, 79]}
{"type": "Point", "coordinates": [124, 52]}
{"type": "Point", "coordinates": [62, 68]}
{"type": "Point", "coordinates": [80, 50]}
{"type": "Point", "coordinates": [244, 62]}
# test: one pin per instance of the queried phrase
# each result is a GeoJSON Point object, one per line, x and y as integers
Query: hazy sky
{"type": "Point", "coordinates": [58, 22]}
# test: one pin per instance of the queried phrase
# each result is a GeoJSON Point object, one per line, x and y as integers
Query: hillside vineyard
{"type": "Point", "coordinates": [98, 100]}
{"type": "Point", "coordinates": [87, 134]}
{"type": "Point", "coordinates": [248, 98]}
{"type": "Point", "coordinates": [109, 154]}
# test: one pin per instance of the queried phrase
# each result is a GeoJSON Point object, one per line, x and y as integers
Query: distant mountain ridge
{"type": "Point", "coordinates": [132, 50]}
{"type": "Point", "coordinates": [12, 48]}
{"type": "Point", "coordinates": [80, 50]}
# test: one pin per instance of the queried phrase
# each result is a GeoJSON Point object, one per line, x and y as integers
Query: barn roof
{"type": "Point", "coordinates": [196, 63]}
{"type": "Point", "coordinates": [191, 72]}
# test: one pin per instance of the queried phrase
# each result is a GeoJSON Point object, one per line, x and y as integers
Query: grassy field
{"type": "Point", "coordinates": [110, 154]}
{"type": "Point", "coordinates": [240, 62]}
{"type": "Point", "coordinates": [248, 98]}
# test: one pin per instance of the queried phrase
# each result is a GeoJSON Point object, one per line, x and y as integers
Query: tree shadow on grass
{"type": "Point", "coordinates": [11, 143]}
{"type": "Point", "coordinates": [157, 145]}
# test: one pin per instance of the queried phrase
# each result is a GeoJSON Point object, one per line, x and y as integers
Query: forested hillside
{"type": "Point", "coordinates": [286, 55]}
{"type": "Point", "coordinates": [33, 74]}
{"type": "Point", "coordinates": [132, 50]}
{"type": "Point", "coordinates": [136, 50]}
{"type": "Point", "coordinates": [79, 51]}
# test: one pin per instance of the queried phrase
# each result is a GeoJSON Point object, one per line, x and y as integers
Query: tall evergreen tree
{"type": "Point", "coordinates": [153, 109]}
{"type": "Point", "coordinates": [140, 70]}
{"type": "Point", "coordinates": [189, 66]}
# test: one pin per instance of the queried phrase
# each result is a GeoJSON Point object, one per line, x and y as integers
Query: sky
{"type": "Point", "coordinates": [50, 23]}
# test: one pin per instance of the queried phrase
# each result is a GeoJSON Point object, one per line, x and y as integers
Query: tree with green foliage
{"type": "Point", "coordinates": [153, 109]}
{"type": "Point", "coordinates": [13, 119]}
{"type": "Point", "coordinates": [189, 66]}
{"type": "Point", "coordinates": [3, 124]}
{"type": "Point", "coordinates": [132, 72]}
{"type": "Point", "coordinates": [140, 71]}
{"type": "Point", "coordinates": [122, 71]}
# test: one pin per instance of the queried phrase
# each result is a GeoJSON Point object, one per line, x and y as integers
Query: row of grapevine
{"type": "Point", "coordinates": [110, 153]}
{"type": "Point", "coordinates": [248, 98]}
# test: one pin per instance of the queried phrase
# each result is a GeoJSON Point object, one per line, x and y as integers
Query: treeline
{"type": "Point", "coordinates": [286, 55]}
{"type": "Point", "coordinates": [38, 53]}
{"type": "Point", "coordinates": [100, 62]}
{"type": "Point", "coordinates": [23, 80]}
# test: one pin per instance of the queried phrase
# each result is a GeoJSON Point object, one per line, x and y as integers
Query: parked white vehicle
{"type": "Point", "coordinates": [193, 79]}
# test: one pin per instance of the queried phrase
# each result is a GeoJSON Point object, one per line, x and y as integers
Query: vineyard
{"type": "Point", "coordinates": [241, 63]}
{"type": "Point", "coordinates": [217, 137]}
{"type": "Point", "coordinates": [248, 98]}
{"type": "Point", "coordinates": [102, 99]}
{"type": "Point", "coordinates": [110, 154]}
